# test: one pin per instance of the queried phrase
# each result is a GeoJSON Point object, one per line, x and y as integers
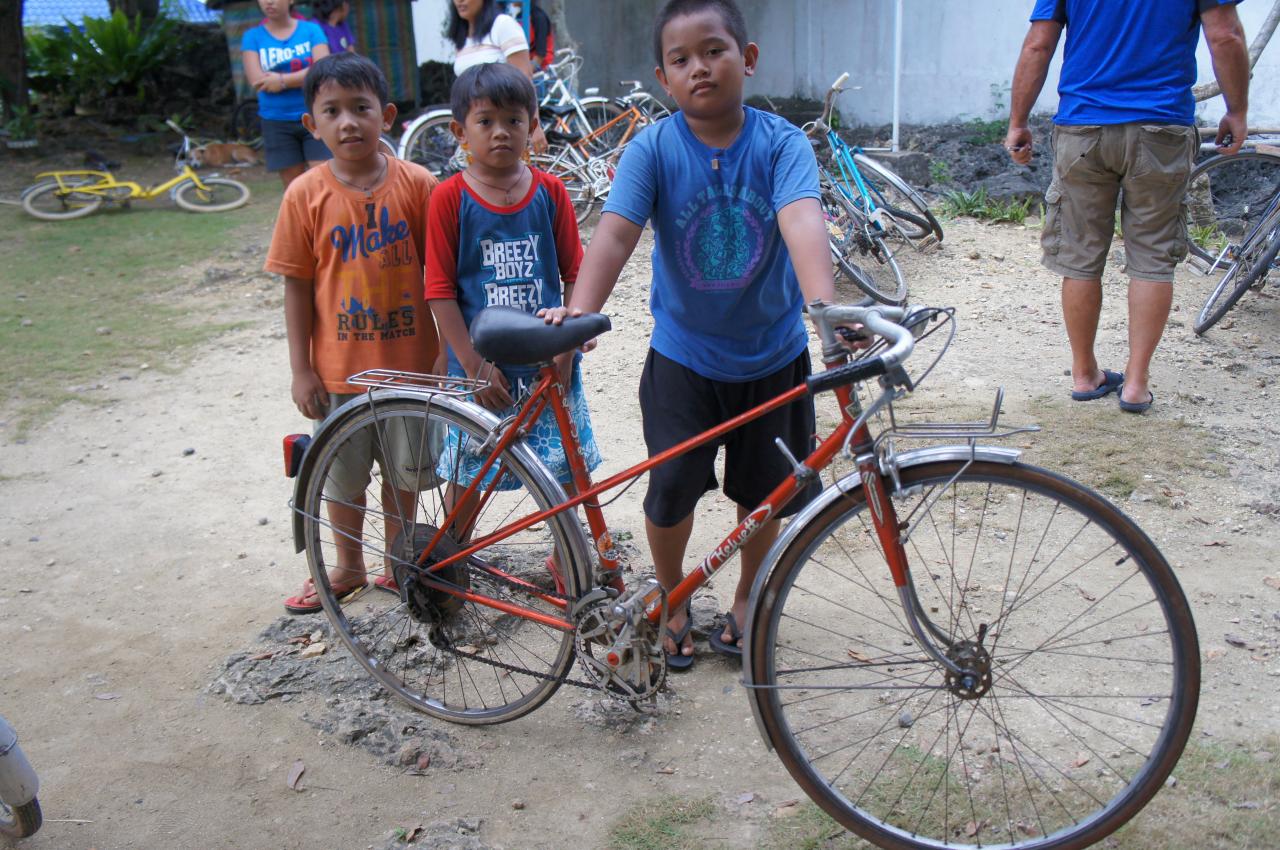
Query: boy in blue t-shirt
{"type": "Point", "coordinates": [740, 247]}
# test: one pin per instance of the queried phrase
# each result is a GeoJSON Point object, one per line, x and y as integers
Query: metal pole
{"type": "Point", "coordinates": [897, 68]}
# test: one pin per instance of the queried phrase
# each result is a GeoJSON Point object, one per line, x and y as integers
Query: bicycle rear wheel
{"type": "Point", "coordinates": [246, 125]}
{"type": "Point", "coordinates": [907, 207]}
{"type": "Point", "coordinates": [51, 202]}
{"type": "Point", "coordinates": [1226, 197]}
{"type": "Point", "coordinates": [218, 194]}
{"type": "Point", "coordinates": [432, 145]}
{"type": "Point", "coordinates": [858, 251]}
{"type": "Point", "coordinates": [455, 657]}
{"type": "Point", "coordinates": [1085, 660]}
{"type": "Point", "coordinates": [1253, 263]}
{"type": "Point", "coordinates": [575, 174]}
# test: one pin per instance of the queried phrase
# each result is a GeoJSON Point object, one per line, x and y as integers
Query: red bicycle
{"type": "Point", "coordinates": [946, 648]}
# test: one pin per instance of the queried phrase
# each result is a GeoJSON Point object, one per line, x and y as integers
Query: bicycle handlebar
{"type": "Point", "coordinates": [880, 319]}
{"type": "Point", "coordinates": [174, 127]}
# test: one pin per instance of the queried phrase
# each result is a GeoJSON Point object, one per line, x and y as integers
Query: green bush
{"type": "Point", "coordinates": [109, 58]}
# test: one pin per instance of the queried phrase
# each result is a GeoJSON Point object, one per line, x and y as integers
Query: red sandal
{"type": "Point", "coordinates": [308, 602]}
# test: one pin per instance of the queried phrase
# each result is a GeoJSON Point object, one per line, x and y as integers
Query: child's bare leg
{"type": "Point", "coordinates": [753, 552]}
{"type": "Point", "coordinates": [347, 520]}
{"type": "Point", "coordinates": [667, 546]}
{"type": "Point", "coordinates": [398, 507]}
{"type": "Point", "coordinates": [461, 528]}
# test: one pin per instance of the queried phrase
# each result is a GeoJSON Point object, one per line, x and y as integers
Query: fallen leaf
{"type": "Point", "coordinates": [859, 656]}
{"type": "Point", "coordinates": [1272, 582]}
{"type": "Point", "coordinates": [411, 831]}
{"type": "Point", "coordinates": [262, 656]}
{"type": "Point", "coordinates": [424, 761]}
{"type": "Point", "coordinates": [786, 809]}
{"type": "Point", "coordinates": [972, 828]}
{"type": "Point", "coordinates": [302, 639]}
{"type": "Point", "coordinates": [1211, 654]}
{"type": "Point", "coordinates": [666, 771]}
{"type": "Point", "coordinates": [1081, 760]}
{"type": "Point", "coordinates": [295, 774]}
{"type": "Point", "coordinates": [1087, 595]}
{"type": "Point", "coordinates": [313, 650]}
{"type": "Point", "coordinates": [1236, 640]}
{"type": "Point", "coordinates": [106, 696]}
{"type": "Point", "coordinates": [1028, 829]}
{"type": "Point", "coordinates": [1217, 543]}
{"type": "Point", "coordinates": [743, 799]}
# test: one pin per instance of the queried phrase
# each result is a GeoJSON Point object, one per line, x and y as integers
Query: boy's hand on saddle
{"type": "Point", "coordinates": [309, 394]}
{"type": "Point", "coordinates": [557, 315]}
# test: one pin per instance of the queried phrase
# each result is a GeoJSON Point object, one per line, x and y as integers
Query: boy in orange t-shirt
{"type": "Point", "coordinates": [349, 242]}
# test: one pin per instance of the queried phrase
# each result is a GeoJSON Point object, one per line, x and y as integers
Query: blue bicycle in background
{"type": "Point", "coordinates": [868, 209]}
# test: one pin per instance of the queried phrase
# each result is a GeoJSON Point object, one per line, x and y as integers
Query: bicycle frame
{"type": "Point", "coordinates": [107, 183]}
{"type": "Point", "coordinates": [549, 391]}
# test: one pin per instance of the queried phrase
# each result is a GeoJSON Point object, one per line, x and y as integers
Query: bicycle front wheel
{"type": "Point", "coordinates": [1252, 265]}
{"type": "Point", "coordinates": [376, 496]}
{"type": "Point", "coordinates": [907, 207]}
{"type": "Point", "coordinates": [432, 145]}
{"type": "Point", "coordinates": [51, 202]}
{"type": "Point", "coordinates": [1084, 657]}
{"type": "Point", "coordinates": [859, 251]}
{"type": "Point", "coordinates": [218, 194]}
{"type": "Point", "coordinates": [20, 821]}
{"type": "Point", "coordinates": [1226, 197]}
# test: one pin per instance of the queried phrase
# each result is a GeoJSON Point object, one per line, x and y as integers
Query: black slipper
{"type": "Point", "coordinates": [680, 662]}
{"type": "Point", "coordinates": [720, 645]}
{"type": "Point", "coordinates": [1111, 382]}
{"type": "Point", "coordinates": [1137, 406]}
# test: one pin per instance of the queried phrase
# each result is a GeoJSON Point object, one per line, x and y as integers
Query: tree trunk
{"type": "Point", "coordinates": [555, 11]}
{"type": "Point", "coordinates": [1204, 91]}
{"type": "Point", "coordinates": [13, 66]}
{"type": "Point", "coordinates": [149, 9]}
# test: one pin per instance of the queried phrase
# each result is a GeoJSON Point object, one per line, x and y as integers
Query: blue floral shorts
{"type": "Point", "coordinates": [543, 438]}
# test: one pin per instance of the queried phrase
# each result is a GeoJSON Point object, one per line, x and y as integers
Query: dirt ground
{"type": "Point", "coordinates": [145, 539]}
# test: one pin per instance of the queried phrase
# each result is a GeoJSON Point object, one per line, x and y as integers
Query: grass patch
{"type": "Point", "coordinates": [1226, 798]}
{"type": "Point", "coordinates": [663, 824]}
{"type": "Point", "coordinates": [64, 281]}
{"type": "Point", "coordinates": [1103, 451]}
{"type": "Point", "coordinates": [976, 204]}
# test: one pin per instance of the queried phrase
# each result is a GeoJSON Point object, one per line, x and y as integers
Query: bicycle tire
{"type": "Point", "coordinates": [454, 659]}
{"type": "Point", "coordinates": [49, 202]}
{"type": "Point", "coordinates": [904, 203]}
{"type": "Point", "coordinates": [219, 194]}
{"type": "Point", "coordinates": [430, 143]}
{"type": "Point", "coordinates": [1226, 196]}
{"type": "Point", "coordinates": [1090, 691]}
{"type": "Point", "coordinates": [859, 253]}
{"type": "Point", "coordinates": [599, 111]}
{"type": "Point", "coordinates": [566, 164]}
{"type": "Point", "coordinates": [1255, 261]}
{"type": "Point", "coordinates": [20, 821]}
{"type": "Point", "coordinates": [245, 124]}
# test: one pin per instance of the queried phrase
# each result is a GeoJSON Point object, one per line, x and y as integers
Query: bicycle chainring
{"type": "Point", "coordinates": [618, 646]}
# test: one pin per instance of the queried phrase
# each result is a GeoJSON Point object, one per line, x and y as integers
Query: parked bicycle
{"type": "Point", "coordinates": [1233, 221]}
{"type": "Point", "coordinates": [19, 808]}
{"type": "Point", "coordinates": [868, 207]}
{"type": "Point", "coordinates": [61, 195]}
{"type": "Point", "coordinates": [947, 647]}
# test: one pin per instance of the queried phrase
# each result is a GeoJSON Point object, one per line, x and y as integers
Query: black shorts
{"type": "Point", "coordinates": [678, 403]}
{"type": "Point", "coordinates": [288, 143]}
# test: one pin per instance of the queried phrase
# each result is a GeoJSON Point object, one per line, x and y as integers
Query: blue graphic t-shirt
{"type": "Point", "coordinates": [724, 298]}
{"type": "Point", "coordinates": [1127, 61]}
{"type": "Point", "coordinates": [284, 57]}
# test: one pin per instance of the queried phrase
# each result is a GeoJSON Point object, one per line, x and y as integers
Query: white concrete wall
{"type": "Point", "coordinates": [428, 31]}
{"type": "Point", "coordinates": [954, 52]}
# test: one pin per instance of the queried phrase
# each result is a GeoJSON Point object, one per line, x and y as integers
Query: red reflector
{"type": "Point", "coordinates": [295, 447]}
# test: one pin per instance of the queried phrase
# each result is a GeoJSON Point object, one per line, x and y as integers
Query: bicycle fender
{"type": "Point", "coordinates": [18, 781]}
{"type": "Point", "coordinates": [841, 488]}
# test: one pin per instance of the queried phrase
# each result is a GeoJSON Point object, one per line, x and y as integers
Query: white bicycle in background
{"type": "Point", "coordinates": [19, 809]}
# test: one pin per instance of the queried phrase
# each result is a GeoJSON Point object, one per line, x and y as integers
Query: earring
{"type": "Point", "coordinates": [466, 149]}
{"type": "Point", "coordinates": [527, 156]}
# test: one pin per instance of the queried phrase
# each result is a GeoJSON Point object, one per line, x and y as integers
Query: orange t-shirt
{"type": "Point", "coordinates": [364, 257]}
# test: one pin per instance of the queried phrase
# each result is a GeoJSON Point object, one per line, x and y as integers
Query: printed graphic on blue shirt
{"type": "Point", "coordinates": [724, 230]}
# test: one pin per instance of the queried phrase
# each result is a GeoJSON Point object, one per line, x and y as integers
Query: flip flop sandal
{"type": "Point", "coordinates": [720, 645]}
{"type": "Point", "coordinates": [387, 583]}
{"type": "Point", "coordinates": [1111, 382]}
{"type": "Point", "coordinates": [1138, 406]}
{"type": "Point", "coordinates": [679, 662]}
{"type": "Point", "coordinates": [298, 605]}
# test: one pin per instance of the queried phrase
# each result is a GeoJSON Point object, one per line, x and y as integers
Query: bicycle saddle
{"type": "Point", "coordinates": [508, 335]}
{"type": "Point", "coordinates": [560, 109]}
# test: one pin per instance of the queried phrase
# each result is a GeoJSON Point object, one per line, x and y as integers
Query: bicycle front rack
{"type": "Point", "coordinates": [392, 379]}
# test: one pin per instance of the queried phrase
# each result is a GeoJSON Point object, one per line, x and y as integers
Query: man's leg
{"type": "Point", "coordinates": [667, 545]}
{"type": "Point", "coordinates": [1149, 303]}
{"type": "Point", "coordinates": [1081, 307]}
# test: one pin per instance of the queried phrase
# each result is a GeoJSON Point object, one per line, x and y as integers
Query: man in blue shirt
{"type": "Point", "coordinates": [1126, 121]}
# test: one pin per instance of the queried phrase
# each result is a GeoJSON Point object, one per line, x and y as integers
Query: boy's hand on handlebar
{"type": "Point", "coordinates": [497, 395]}
{"type": "Point", "coordinates": [853, 338]}
{"type": "Point", "coordinates": [309, 394]}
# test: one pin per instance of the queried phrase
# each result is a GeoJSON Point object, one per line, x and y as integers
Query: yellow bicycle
{"type": "Point", "coordinates": [61, 195]}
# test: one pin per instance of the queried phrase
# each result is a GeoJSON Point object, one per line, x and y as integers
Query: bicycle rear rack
{"type": "Point", "coordinates": [968, 431]}
{"type": "Point", "coordinates": [392, 379]}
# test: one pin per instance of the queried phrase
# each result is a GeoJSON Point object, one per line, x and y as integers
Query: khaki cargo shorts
{"type": "Point", "coordinates": [406, 456]}
{"type": "Point", "coordinates": [1147, 166]}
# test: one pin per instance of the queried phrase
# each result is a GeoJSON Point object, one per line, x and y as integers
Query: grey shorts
{"type": "Point", "coordinates": [1144, 165]}
{"type": "Point", "coordinates": [288, 143]}
{"type": "Point", "coordinates": [406, 457]}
